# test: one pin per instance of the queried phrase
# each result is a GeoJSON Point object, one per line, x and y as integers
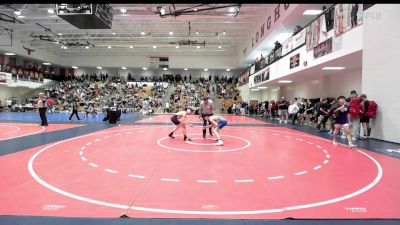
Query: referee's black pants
{"type": "Point", "coordinates": [205, 124]}
{"type": "Point", "coordinates": [43, 118]}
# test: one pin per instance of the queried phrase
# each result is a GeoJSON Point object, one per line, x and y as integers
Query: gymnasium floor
{"type": "Point", "coordinates": [91, 169]}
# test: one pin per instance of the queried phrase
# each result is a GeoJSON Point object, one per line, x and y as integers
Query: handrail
{"type": "Point", "coordinates": [280, 49]}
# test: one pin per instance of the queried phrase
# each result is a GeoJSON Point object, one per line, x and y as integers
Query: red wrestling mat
{"type": "Point", "coordinates": [195, 119]}
{"type": "Point", "coordinates": [14, 130]}
{"type": "Point", "coordinates": [260, 173]}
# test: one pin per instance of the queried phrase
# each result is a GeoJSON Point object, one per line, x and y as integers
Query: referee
{"type": "Point", "coordinates": [42, 106]}
{"type": "Point", "coordinates": [205, 109]}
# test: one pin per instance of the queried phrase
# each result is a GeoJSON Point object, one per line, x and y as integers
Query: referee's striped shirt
{"type": "Point", "coordinates": [206, 108]}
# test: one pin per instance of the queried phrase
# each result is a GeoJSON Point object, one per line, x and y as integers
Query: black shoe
{"type": "Point", "coordinates": [187, 139]}
{"type": "Point", "coordinates": [171, 135]}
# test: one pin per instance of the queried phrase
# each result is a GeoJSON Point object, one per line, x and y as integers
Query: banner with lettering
{"type": "Point", "coordinates": [295, 61]}
{"type": "Point", "coordinates": [265, 74]}
{"type": "Point", "coordinates": [323, 49]}
{"type": "Point", "coordinates": [287, 46]}
{"type": "Point", "coordinates": [316, 32]}
{"type": "Point", "coordinates": [347, 16]}
{"type": "Point", "coordinates": [299, 39]}
{"type": "Point", "coordinates": [244, 77]}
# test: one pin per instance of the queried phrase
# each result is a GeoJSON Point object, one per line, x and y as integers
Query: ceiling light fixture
{"type": "Point", "coordinates": [46, 63]}
{"type": "Point", "coordinates": [227, 70]}
{"type": "Point", "coordinates": [198, 46]}
{"type": "Point", "coordinates": [144, 68]}
{"type": "Point", "coordinates": [109, 47]}
{"type": "Point", "coordinates": [224, 33]}
{"type": "Point", "coordinates": [142, 33]}
{"type": "Point", "coordinates": [20, 17]}
{"type": "Point", "coordinates": [219, 46]}
{"type": "Point", "coordinates": [285, 81]}
{"type": "Point", "coordinates": [334, 68]}
{"type": "Point", "coordinates": [87, 47]}
{"type": "Point", "coordinates": [9, 53]}
{"type": "Point", "coordinates": [131, 46]}
{"type": "Point", "coordinates": [197, 33]}
{"type": "Point", "coordinates": [205, 69]}
{"type": "Point", "coordinates": [312, 12]}
{"type": "Point", "coordinates": [51, 11]}
{"type": "Point", "coordinates": [164, 68]}
{"type": "Point", "coordinates": [113, 33]}
{"type": "Point", "coordinates": [195, 9]}
{"type": "Point", "coordinates": [154, 46]}
{"type": "Point", "coordinates": [262, 87]}
{"type": "Point", "coordinates": [59, 34]}
{"type": "Point", "coordinates": [232, 10]}
{"type": "Point", "coordinates": [177, 46]}
{"type": "Point", "coordinates": [123, 10]}
{"type": "Point", "coordinates": [17, 13]}
{"type": "Point", "coordinates": [124, 68]}
{"type": "Point", "coordinates": [75, 67]}
{"type": "Point", "coordinates": [99, 67]}
{"type": "Point", "coordinates": [185, 69]}
{"type": "Point", "coordinates": [171, 33]}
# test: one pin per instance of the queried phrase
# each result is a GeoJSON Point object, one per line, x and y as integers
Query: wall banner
{"type": "Point", "coordinates": [295, 61]}
{"type": "Point", "coordinates": [323, 49]}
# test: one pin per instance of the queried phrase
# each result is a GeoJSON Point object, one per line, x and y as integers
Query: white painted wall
{"type": "Point", "coordinates": [8, 92]}
{"type": "Point", "coordinates": [136, 72]}
{"type": "Point", "coordinates": [244, 92]}
{"type": "Point", "coordinates": [351, 43]}
{"type": "Point", "coordinates": [380, 79]}
{"type": "Point", "coordinates": [191, 62]}
{"type": "Point", "coordinates": [324, 86]}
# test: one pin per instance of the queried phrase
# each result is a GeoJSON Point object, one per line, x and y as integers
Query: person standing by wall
{"type": "Point", "coordinates": [354, 114]}
{"type": "Point", "coordinates": [42, 106]}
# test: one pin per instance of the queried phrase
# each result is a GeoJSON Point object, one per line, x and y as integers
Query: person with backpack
{"type": "Point", "coordinates": [369, 109]}
{"type": "Point", "coordinates": [354, 114]}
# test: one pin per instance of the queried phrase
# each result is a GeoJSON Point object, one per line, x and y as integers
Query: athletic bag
{"type": "Point", "coordinates": [355, 107]}
{"type": "Point", "coordinates": [372, 109]}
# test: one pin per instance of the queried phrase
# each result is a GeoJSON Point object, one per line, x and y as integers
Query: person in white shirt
{"type": "Point", "coordinates": [166, 107]}
{"type": "Point", "coordinates": [293, 110]}
{"type": "Point", "coordinates": [42, 106]}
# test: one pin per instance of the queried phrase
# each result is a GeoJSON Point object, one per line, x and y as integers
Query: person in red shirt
{"type": "Point", "coordinates": [50, 105]}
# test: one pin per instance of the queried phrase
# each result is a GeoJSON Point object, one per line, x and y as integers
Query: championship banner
{"type": "Point", "coordinates": [316, 32]}
{"type": "Point", "coordinates": [257, 78]}
{"type": "Point", "coordinates": [295, 61]}
{"type": "Point", "coordinates": [346, 17]}
{"type": "Point", "coordinates": [265, 74]}
{"type": "Point", "coordinates": [299, 39]}
{"type": "Point", "coordinates": [244, 77]}
{"type": "Point", "coordinates": [287, 46]}
{"type": "Point", "coordinates": [323, 49]}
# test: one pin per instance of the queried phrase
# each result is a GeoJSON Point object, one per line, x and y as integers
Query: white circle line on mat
{"type": "Point", "coordinates": [194, 212]}
{"type": "Point", "coordinates": [41, 130]}
{"type": "Point", "coordinates": [205, 151]}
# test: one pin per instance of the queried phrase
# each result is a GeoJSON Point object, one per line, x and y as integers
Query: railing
{"type": "Point", "coordinates": [276, 55]}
